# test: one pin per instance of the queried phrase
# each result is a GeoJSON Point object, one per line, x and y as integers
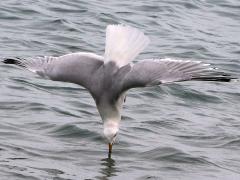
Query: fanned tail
{"type": "Point", "coordinates": [123, 44]}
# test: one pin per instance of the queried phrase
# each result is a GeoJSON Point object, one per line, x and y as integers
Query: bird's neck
{"type": "Point", "coordinates": [110, 111]}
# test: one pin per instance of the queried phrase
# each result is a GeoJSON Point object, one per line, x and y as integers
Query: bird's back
{"type": "Point", "coordinates": [107, 82]}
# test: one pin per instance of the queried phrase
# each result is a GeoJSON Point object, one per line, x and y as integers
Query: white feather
{"type": "Point", "coordinates": [123, 44]}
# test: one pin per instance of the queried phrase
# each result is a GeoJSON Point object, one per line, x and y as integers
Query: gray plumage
{"type": "Point", "coordinates": [106, 81]}
{"type": "Point", "coordinates": [91, 72]}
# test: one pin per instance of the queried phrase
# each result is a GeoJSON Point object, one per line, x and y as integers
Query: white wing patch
{"type": "Point", "coordinates": [87, 54]}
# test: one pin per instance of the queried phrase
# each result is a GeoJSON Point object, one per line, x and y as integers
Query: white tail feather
{"type": "Point", "coordinates": [123, 44]}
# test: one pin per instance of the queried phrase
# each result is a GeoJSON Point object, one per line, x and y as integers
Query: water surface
{"type": "Point", "coordinates": [52, 130]}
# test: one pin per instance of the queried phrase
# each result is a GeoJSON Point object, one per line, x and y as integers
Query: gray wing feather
{"type": "Point", "coordinates": [75, 68]}
{"type": "Point", "coordinates": [154, 72]}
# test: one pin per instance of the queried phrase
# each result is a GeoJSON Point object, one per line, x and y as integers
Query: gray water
{"type": "Point", "coordinates": [52, 130]}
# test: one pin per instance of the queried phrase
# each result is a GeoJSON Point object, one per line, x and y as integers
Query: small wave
{"type": "Point", "coordinates": [172, 155]}
{"type": "Point", "coordinates": [230, 144]}
{"type": "Point", "coordinates": [50, 171]}
{"type": "Point", "coordinates": [193, 95]}
{"type": "Point", "coordinates": [64, 112]}
{"type": "Point", "coordinates": [73, 131]}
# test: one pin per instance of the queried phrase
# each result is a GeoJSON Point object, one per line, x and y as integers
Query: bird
{"type": "Point", "coordinates": [109, 77]}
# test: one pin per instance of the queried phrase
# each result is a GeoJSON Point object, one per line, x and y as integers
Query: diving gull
{"type": "Point", "coordinates": [109, 77]}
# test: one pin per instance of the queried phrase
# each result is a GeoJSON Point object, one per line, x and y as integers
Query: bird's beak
{"type": "Point", "coordinates": [110, 148]}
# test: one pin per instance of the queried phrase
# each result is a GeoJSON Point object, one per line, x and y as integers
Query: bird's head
{"type": "Point", "coordinates": [110, 132]}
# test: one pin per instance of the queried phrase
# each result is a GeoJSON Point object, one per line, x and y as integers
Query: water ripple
{"type": "Point", "coordinates": [52, 130]}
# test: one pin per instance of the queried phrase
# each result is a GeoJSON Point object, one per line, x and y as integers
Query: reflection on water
{"type": "Point", "coordinates": [108, 168]}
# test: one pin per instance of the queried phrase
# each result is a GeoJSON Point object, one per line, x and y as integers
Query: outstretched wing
{"type": "Point", "coordinates": [75, 68]}
{"type": "Point", "coordinates": [154, 72]}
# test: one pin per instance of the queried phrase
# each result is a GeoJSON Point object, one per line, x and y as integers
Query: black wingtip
{"type": "Point", "coordinates": [220, 79]}
{"type": "Point", "coordinates": [10, 61]}
{"type": "Point", "coordinates": [16, 61]}
{"type": "Point", "coordinates": [216, 76]}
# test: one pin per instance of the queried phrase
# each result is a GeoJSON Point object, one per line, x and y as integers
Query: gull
{"type": "Point", "coordinates": [109, 77]}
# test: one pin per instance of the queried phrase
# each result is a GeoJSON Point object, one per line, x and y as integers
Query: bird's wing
{"type": "Point", "coordinates": [159, 71]}
{"type": "Point", "coordinates": [75, 68]}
